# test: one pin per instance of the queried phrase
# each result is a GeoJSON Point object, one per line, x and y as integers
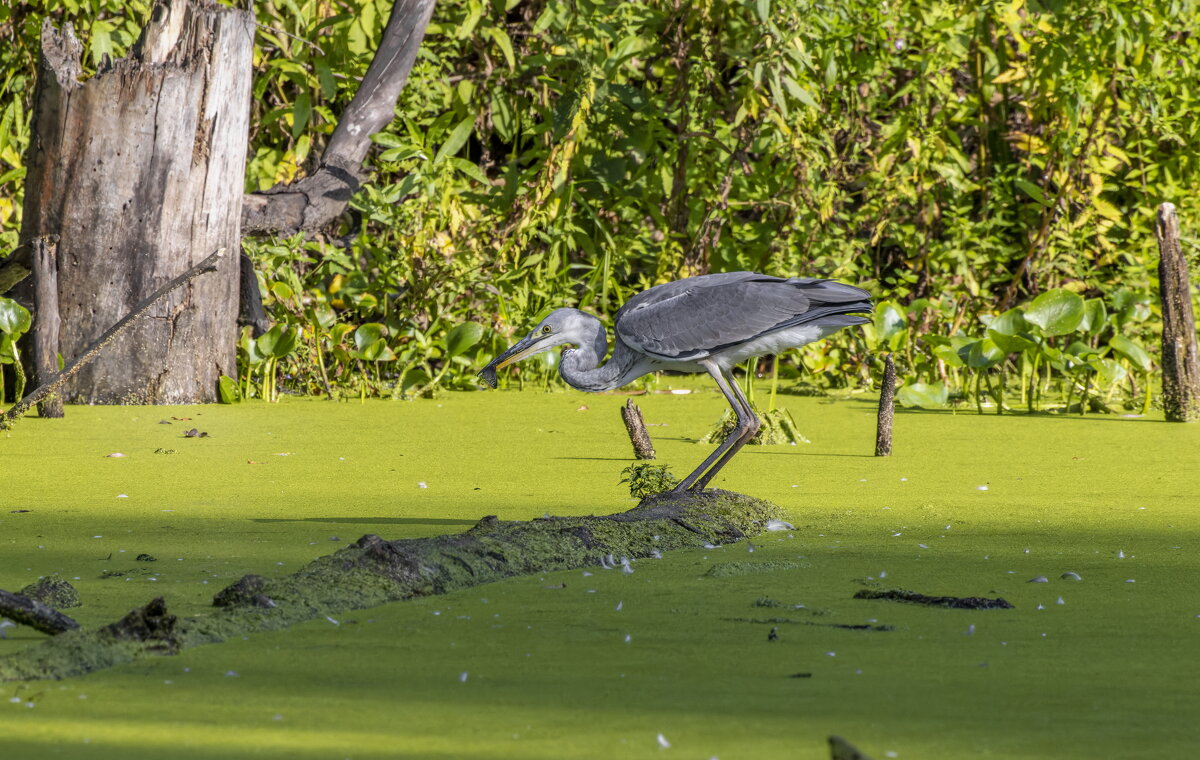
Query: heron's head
{"type": "Point", "coordinates": [560, 327]}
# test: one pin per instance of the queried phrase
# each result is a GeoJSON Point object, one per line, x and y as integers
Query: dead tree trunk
{"type": "Point", "coordinates": [139, 172]}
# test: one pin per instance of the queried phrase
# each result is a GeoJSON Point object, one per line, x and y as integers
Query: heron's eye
{"type": "Point", "coordinates": [546, 329]}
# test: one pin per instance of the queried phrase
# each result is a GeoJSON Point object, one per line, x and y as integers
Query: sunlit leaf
{"type": "Point", "coordinates": [462, 337]}
{"type": "Point", "coordinates": [1056, 312]}
{"type": "Point", "coordinates": [1131, 350]}
{"type": "Point", "coordinates": [15, 319]}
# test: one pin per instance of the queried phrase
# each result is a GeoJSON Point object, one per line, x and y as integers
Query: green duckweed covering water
{"type": "Point", "coordinates": [575, 665]}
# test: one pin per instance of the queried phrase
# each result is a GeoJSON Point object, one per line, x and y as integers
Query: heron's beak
{"type": "Point", "coordinates": [527, 346]}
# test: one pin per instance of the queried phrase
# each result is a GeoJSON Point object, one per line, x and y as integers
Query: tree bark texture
{"type": "Point", "coordinates": [46, 328]}
{"type": "Point", "coordinates": [316, 200]}
{"type": "Point", "coordinates": [631, 414]}
{"type": "Point", "coordinates": [887, 409]}
{"type": "Point", "coordinates": [139, 171]}
{"type": "Point", "coordinates": [1181, 370]}
{"type": "Point", "coordinates": [55, 380]}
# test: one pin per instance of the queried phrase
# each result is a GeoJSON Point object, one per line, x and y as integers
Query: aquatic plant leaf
{"type": "Point", "coordinates": [228, 390]}
{"type": "Point", "coordinates": [462, 337]}
{"type": "Point", "coordinates": [1056, 312]}
{"type": "Point", "coordinates": [923, 395]}
{"type": "Point", "coordinates": [278, 342]}
{"type": "Point", "coordinates": [982, 354]}
{"type": "Point", "coordinates": [1009, 330]}
{"type": "Point", "coordinates": [1095, 316]}
{"type": "Point", "coordinates": [1131, 350]}
{"type": "Point", "coordinates": [14, 318]}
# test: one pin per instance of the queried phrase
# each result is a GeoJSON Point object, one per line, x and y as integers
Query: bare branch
{"type": "Point", "coordinates": [314, 201]}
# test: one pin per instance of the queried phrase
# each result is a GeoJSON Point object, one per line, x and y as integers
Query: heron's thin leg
{"type": "Point", "coordinates": [747, 428]}
{"type": "Point", "coordinates": [745, 421]}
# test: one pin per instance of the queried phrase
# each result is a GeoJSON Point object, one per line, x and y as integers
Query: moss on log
{"type": "Point", "coordinates": [373, 571]}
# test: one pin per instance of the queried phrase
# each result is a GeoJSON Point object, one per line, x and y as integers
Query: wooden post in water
{"type": "Point", "coordinates": [632, 415]}
{"type": "Point", "coordinates": [887, 409]}
{"type": "Point", "coordinates": [1181, 371]}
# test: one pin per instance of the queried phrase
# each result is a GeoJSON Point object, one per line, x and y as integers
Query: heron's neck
{"type": "Point", "coordinates": [582, 370]}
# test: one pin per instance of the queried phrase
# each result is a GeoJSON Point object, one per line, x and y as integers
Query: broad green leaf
{"type": "Point", "coordinates": [982, 354]}
{"type": "Point", "coordinates": [8, 349]}
{"type": "Point", "coordinates": [368, 334]}
{"type": "Point", "coordinates": [922, 395]}
{"type": "Point", "coordinates": [377, 351]}
{"type": "Point", "coordinates": [278, 342]}
{"type": "Point", "coordinates": [228, 390]}
{"type": "Point", "coordinates": [1095, 317]}
{"type": "Point", "coordinates": [281, 290]}
{"type": "Point", "coordinates": [14, 318]}
{"type": "Point", "coordinates": [462, 337]}
{"type": "Point", "coordinates": [1132, 351]}
{"type": "Point", "coordinates": [889, 320]}
{"type": "Point", "coordinates": [1109, 372]}
{"type": "Point", "coordinates": [1008, 331]}
{"type": "Point", "coordinates": [1056, 312]}
{"type": "Point", "coordinates": [458, 138]}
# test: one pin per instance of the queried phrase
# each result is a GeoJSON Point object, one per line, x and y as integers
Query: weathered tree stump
{"type": "Point", "coordinates": [1181, 371]}
{"type": "Point", "coordinates": [139, 172]}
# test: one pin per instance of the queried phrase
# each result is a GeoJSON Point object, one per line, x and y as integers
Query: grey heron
{"type": "Point", "coordinates": [709, 323]}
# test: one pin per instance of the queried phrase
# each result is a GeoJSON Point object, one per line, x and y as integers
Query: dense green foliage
{"type": "Point", "coordinates": [958, 160]}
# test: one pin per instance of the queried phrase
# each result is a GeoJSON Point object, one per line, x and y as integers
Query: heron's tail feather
{"type": "Point", "coordinates": [844, 320]}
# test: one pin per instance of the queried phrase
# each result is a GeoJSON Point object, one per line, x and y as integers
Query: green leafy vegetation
{"type": "Point", "coordinates": [960, 161]}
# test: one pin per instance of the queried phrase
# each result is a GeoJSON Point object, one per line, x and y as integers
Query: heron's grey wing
{"type": "Point", "coordinates": [691, 318]}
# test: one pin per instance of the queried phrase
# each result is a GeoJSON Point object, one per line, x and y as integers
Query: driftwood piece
{"type": "Point", "coordinates": [55, 381]}
{"type": "Point", "coordinates": [952, 602]}
{"type": "Point", "coordinates": [140, 172]}
{"type": "Point", "coordinates": [1181, 370]}
{"type": "Point", "coordinates": [887, 409]}
{"type": "Point", "coordinates": [46, 322]}
{"type": "Point", "coordinates": [41, 617]}
{"type": "Point", "coordinates": [631, 413]}
{"type": "Point", "coordinates": [314, 201]}
{"type": "Point", "coordinates": [373, 571]}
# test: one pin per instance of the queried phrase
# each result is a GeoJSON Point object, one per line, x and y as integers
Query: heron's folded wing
{"type": "Point", "coordinates": [695, 318]}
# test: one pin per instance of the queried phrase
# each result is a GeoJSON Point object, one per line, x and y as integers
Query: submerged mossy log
{"type": "Point", "coordinates": [373, 571]}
